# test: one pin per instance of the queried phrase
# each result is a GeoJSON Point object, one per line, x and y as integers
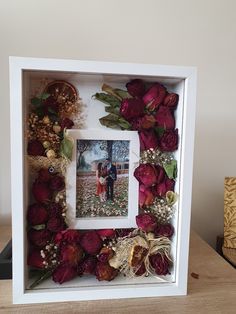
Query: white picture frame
{"type": "Point", "coordinates": [104, 222]}
{"type": "Point", "coordinates": [24, 72]}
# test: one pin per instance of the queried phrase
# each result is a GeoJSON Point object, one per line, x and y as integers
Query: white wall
{"type": "Point", "coordinates": [201, 33]}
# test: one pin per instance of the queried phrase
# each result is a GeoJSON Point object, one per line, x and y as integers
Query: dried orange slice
{"type": "Point", "coordinates": [62, 91]}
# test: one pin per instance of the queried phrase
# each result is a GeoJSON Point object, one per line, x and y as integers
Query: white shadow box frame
{"type": "Point", "coordinates": [88, 76]}
{"type": "Point", "coordinates": [103, 222]}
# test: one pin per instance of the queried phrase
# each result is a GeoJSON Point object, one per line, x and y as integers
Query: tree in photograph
{"type": "Point", "coordinates": [120, 151]}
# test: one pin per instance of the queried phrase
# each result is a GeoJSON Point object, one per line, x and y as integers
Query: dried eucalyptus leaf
{"type": "Point", "coordinates": [110, 121]}
{"type": "Point", "coordinates": [111, 91]}
{"type": "Point", "coordinates": [124, 124]}
{"type": "Point", "coordinates": [122, 93]}
{"type": "Point", "coordinates": [171, 169]}
{"type": "Point", "coordinates": [114, 110]}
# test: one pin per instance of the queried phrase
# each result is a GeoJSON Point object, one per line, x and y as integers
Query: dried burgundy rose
{"type": "Point", "coordinates": [154, 96]}
{"type": "Point", "coordinates": [35, 259]}
{"type": "Point", "coordinates": [105, 254]}
{"type": "Point", "coordinates": [71, 254]}
{"type": "Point", "coordinates": [44, 175]}
{"type": "Point", "coordinates": [171, 100]}
{"type": "Point", "coordinates": [88, 265]}
{"type": "Point", "coordinates": [39, 238]}
{"type": "Point", "coordinates": [146, 174]}
{"type": "Point", "coordinates": [166, 230]}
{"type": "Point", "coordinates": [35, 148]}
{"type": "Point", "coordinates": [136, 88]}
{"type": "Point", "coordinates": [57, 183]}
{"type": "Point", "coordinates": [141, 270]}
{"type": "Point", "coordinates": [67, 236]}
{"type": "Point", "coordinates": [91, 242]}
{"type": "Point", "coordinates": [106, 233]}
{"type": "Point", "coordinates": [66, 123]}
{"type": "Point", "coordinates": [41, 192]}
{"type": "Point", "coordinates": [160, 263]}
{"type": "Point", "coordinates": [146, 196]}
{"type": "Point", "coordinates": [131, 108]}
{"type": "Point", "coordinates": [105, 272]}
{"type": "Point", "coordinates": [146, 222]}
{"type": "Point", "coordinates": [169, 140]}
{"type": "Point", "coordinates": [165, 186]}
{"type": "Point", "coordinates": [148, 139]}
{"type": "Point", "coordinates": [64, 273]}
{"type": "Point", "coordinates": [56, 224]}
{"type": "Point", "coordinates": [54, 209]}
{"type": "Point", "coordinates": [37, 214]}
{"type": "Point", "coordinates": [160, 174]}
{"type": "Point", "coordinates": [165, 118]}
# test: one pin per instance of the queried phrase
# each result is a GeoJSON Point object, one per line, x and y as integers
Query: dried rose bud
{"type": "Point", "coordinates": [163, 187]}
{"type": "Point", "coordinates": [105, 272]}
{"type": "Point", "coordinates": [56, 224]}
{"type": "Point", "coordinates": [66, 123]}
{"type": "Point", "coordinates": [105, 254]}
{"type": "Point", "coordinates": [146, 222]}
{"type": "Point", "coordinates": [154, 96]}
{"type": "Point", "coordinates": [71, 254]}
{"type": "Point", "coordinates": [67, 236]}
{"type": "Point", "coordinates": [148, 139]}
{"type": "Point", "coordinates": [54, 209]}
{"type": "Point", "coordinates": [35, 259]}
{"type": "Point", "coordinates": [44, 175]}
{"type": "Point", "coordinates": [169, 140]}
{"type": "Point", "coordinates": [39, 238]}
{"type": "Point", "coordinates": [35, 148]}
{"type": "Point", "coordinates": [64, 273]}
{"type": "Point", "coordinates": [91, 242]}
{"type": "Point", "coordinates": [88, 265]}
{"type": "Point", "coordinates": [166, 230]}
{"type": "Point", "coordinates": [160, 263]}
{"type": "Point", "coordinates": [165, 118]}
{"type": "Point", "coordinates": [146, 196]}
{"type": "Point", "coordinates": [41, 192]}
{"type": "Point", "coordinates": [106, 233]}
{"type": "Point", "coordinates": [57, 183]}
{"type": "Point", "coordinates": [37, 214]}
{"type": "Point", "coordinates": [136, 88]}
{"type": "Point", "coordinates": [131, 108]}
{"type": "Point", "coordinates": [171, 100]}
{"type": "Point", "coordinates": [146, 174]}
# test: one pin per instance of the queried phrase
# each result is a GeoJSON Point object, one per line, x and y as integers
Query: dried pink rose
{"type": "Point", "coordinates": [146, 222]}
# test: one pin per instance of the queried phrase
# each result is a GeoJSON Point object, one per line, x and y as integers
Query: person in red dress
{"type": "Point", "coordinates": [101, 182]}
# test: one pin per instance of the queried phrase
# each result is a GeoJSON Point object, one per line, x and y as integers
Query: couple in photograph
{"type": "Point", "coordinates": [106, 175]}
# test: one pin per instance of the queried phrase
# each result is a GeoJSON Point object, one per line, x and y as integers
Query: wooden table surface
{"type": "Point", "coordinates": [213, 292]}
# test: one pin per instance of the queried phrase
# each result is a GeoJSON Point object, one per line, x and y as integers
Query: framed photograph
{"type": "Point", "coordinates": [103, 190]}
{"type": "Point", "coordinates": [101, 165]}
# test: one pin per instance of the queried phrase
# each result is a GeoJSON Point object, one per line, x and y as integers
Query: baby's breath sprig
{"type": "Point", "coordinates": [156, 157]}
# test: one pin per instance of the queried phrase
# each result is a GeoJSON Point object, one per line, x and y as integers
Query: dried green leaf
{"type": "Point", "coordinates": [159, 131]}
{"type": "Point", "coordinates": [111, 91]}
{"type": "Point", "coordinates": [66, 147]}
{"type": "Point", "coordinates": [44, 96]}
{"type": "Point", "coordinates": [39, 227]}
{"type": "Point", "coordinates": [107, 99]}
{"type": "Point", "coordinates": [110, 121]}
{"type": "Point", "coordinates": [114, 110]}
{"type": "Point", "coordinates": [122, 93]}
{"type": "Point", "coordinates": [171, 169]}
{"type": "Point", "coordinates": [124, 124]}
{"type": "Point", "coordinates": [36, 101]}
{"type": "Point", "coordinates": [41, 277]}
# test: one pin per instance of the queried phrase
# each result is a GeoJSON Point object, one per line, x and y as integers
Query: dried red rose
{"type": "Point", "coordinates": [105, 272]}
{"type": "Point", "coordinates": [165, 118]}
{"type": "Point", "coordinates": [66, 123]}
{"type": "Point", "coordinates": [35, 259]}
{"type": "Point", "coordinates": [64, 273]}
{"type": "Point", "coordinates": [146, 174]}
{"type": "Point", "coordinates": [91, 242]}
{"type": "Point", "coordinates": [67, 236]}
{"type": "Point", "coordinates": [154, 96]}
{"type": "Point", "coordinates": [56, 224]}
{"type": "Point", "coordinates": [169, 140]}
{"type": "Point", "coordinates": [146, 196]}
{"type": "Point", "coordinates": [39, 238]}
{"type": "Point", "coordinates": [106, 233]}
{"type": "Point", "coordinates": [136, 88]}
{"type": "Point", "coordinates": [41, 192]}
{"type": "Point", "coordinates": [37, 214]}
{"type": "Point", "coordinates": [35, 148]}
{"type": "Point", "coordinates": [71, 254]}
{"type": "Point", "coordinates": [44, 175]}
{"type": "Point", "coordinates": [57, 183]}
{"type": "Point", "coordinates": [54, 209]}
{"type": "Point", "coordinates": [160, 263]}
{"type": "Point", "coordinates": [141, 270]}
{"type": "Point", "coordinates": [148, 139]}
{"type": "Point", "coordinates": [165, 186]}
{"type": "Point", "coordinates": [160, 174]}
{"type": "Point", "coordinates": [146, 222]}
{"type": "Point", "coordinates": [50, 106]}
{"type": "Point", "coordinates": [171, 100]}
{"type": "Point", "coordinates": [105, 254]}
{"type": "Point", "coordinates": [144, 123]}
{"type": "Point", "coordinates": [88, 265]}
{"type": "Point", "coordinates": [131, 108]}
{"type": "Point", "coordinates": [166, 230]}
